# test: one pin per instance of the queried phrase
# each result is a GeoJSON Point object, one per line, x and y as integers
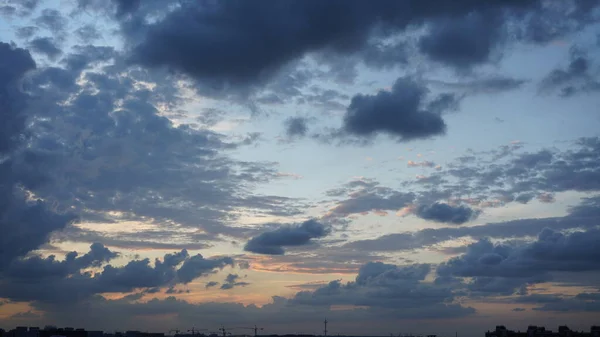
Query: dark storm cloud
{"type": "Point", "coordinates": [398, 113]}
{"type": "Point", "coordinates": [130, 158]}
{"type": "Point", "coordinates": [576, 78]}
{"type": "Point", "coordinates": [185, 40]}
{"type": "Point", "coordinates": [48, 280]}
{"type": "Point", "coordinates": [503, 268]}
{"type": "Point", "coordinates": [25, 224]}
{"type": "Point", "coordinates": [15, 63]}
{"type": "Point", "coordinates": [440, 212]}
{"type": "Point", "coordinates": [38, 268]}
{"type": "Point", "coordinates": [296, 127]}
{"type": "Point", "coordinates": [273, 242]}
{"type": "Point", "coordinates": [232, 281]}
{"type": "Point", "coordinates": [397, 288]}
{"type": "Point", "coordinates": [588, 208]}
{"type": "Point", "coordinates": [46, 46]}
{"type": "Point", "coordinates": [556, 19]}
{"type": "Point", "coordinates": [197, 265]}
{"type": "Point", "coordinates": [462, 42]}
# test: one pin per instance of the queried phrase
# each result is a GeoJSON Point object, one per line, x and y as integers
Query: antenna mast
{"type": "Point", "coordinates": [325, 331]}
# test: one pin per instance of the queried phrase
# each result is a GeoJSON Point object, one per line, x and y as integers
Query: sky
{"type": "Point", "coordinates": [394, 167]}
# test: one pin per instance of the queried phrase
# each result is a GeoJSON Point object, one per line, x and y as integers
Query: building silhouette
{"type": "Point", "coordinates": [540, 331]}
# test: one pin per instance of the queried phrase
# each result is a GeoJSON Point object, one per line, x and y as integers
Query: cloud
{"type": "Point", "coordinates": [88, 33]}
{"type": "Point", "coordinates": [449, 42]}
{"type": "Point", "coordinates": [26, 32]}
{"type": "Point", "coordinates": [101, 144]}
{"type": "Point", "coordinates": [46, 46]}
{"type": "Point", "coordinates": [446, 102]}
{"type": "Point", "coordinates": [52, 20]}
{"type": "Point", "coordinates": [211, 284]}
{"type": "Point", "coordinates": [296, 127]}
{"type": "Point", "coordinates": [482, 85]}
{"type": "Point", "coordinates": [502, 268]}
{"type": "Point", "coordinates": [36, 267]}
{"type": "Point", "coordinates": [370, 197]}
{"type": "Point", "coordinates": [425, 163]}
{"type": "Point", "coordinates": [554, 21]}
{"type": "Point", "coordinates": [520, 178]}
{"type": "Point", "coordinates": [273, 242]}
{"type": "Point", "coordinates": [282, 313]}
{"type": "Point", "coordinates": [52, 281]}
{"type": "Point", "coordinates": [399, 289]}
{"type": "Point", "coordinates": [25, 224]}
{"type": "Point", "coordinates": [397, 113]}
{"type": "Point", "coordinates": [445, 213]}
{"type": "Point", "coordinates": [184, 39]}
{"type": "Point", "coordinates": [21, 8]}
{"type": "Point", "coordinates": [197, 266]}
{"type": "Point", "coordinates": [576, 78]}
{"type": "Point", "coordinates": [583, 216]}
{"type": "Point", "coordinates": [582, 302]}
{"type": "Point", "coordinates": [231, 281]}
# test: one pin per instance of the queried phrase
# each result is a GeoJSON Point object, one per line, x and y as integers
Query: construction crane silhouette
{"type": "Point", "coordinates": [195, 331]}
{"type": "Point", "coordinates": [256, 328]}
{"type": "Point", "coordinates": [224, 331]}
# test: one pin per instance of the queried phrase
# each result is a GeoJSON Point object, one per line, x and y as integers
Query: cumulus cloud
{"type": "Point", "coordinates": [25, 224]}
{"type": "Point", "coordinates": [180, 33]}
{"type": "Point", "coordinates": [100, 144]}
{"type": "Point", "coordinates": [273, 242]}
{"type": "Point", "coordinates": [440, 212]}
{"type": "Point", "coordinates": [52, 281]}
{"type": "Point", "coordinates": [399, 289]}
{"type": "Point", "coordinates": [398, 113]}
{"type": "Point", "coordinates": [197, 265]}
{"type": "Point", "coordinates": [463, 42]}
{"type": "Point", "coordinates": [503, 268]}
